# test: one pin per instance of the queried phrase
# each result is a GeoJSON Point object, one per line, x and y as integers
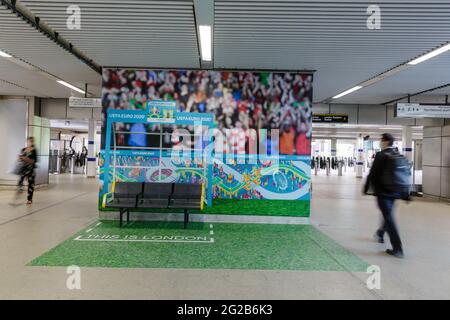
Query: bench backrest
{"type": "Point", "coordinates": [127, 189]}
{"type": "Point", "coordinates": [157, 190]}
{"type": "Point", "coordinates": [187, 191]}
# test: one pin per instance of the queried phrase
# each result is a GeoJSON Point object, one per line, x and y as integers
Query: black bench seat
{"type": "Point", "coordinates": [186, 196]}
{"type": "Point", "coordinates": [136, 195]}
{"type": "Point", "coordinates": [125, 197]}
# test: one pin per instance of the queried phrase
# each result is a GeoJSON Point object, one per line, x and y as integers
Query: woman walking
{"type": "Point", "coordinates": [28, 156]}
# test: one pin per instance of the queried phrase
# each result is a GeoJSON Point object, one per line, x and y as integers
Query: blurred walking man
{"type": "Point", "coordinates": [390, 179]}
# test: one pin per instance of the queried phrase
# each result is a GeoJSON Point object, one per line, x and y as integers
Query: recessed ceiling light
{"type": "Point", "coordinates": [430, 55]}
{"type": "Point", "coordinates": [70, 86]}
{"type": "Point", "coordinates": [205, 42]}
{"type": "Point", "coordinates": [4, 54]}
{"type": "Point", "coordinates": [347, 92]}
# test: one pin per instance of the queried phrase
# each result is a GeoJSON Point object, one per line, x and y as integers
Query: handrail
{"type": "Point", "coordinates": [157, 134]}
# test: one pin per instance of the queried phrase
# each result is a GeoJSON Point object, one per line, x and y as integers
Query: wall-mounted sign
{"type": "Point", "coordinates": [415, 110]}
{"type": "Point", "coordinates": [75, 102]}
{"type": "Point", "coordinates": [330, 118]}
{"type": "Point", "coordinates": [64, 136]}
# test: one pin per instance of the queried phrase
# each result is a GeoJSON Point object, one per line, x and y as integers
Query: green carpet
{"type": "Point", "coordinates": [204, 246]}
{"type": "Point", "coordinates": [263, 207]}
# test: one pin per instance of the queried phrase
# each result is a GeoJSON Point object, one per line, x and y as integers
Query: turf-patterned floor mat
{"type": "Point", "coordinates": [204, 246]}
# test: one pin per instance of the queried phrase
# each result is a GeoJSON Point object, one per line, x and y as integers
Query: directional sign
{"type": "Point", "coordinates": [75, 102]}
{"type": "Point", "coordinates": [330, 118]}
{"type": "Point", "coordinates": [415, 110]}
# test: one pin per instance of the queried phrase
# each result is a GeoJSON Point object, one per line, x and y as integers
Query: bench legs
{"type": "Point", "coordinates": [122, 211]}
{"type": "Point", "coordinates": [186, 218]}
{"type": "Point", "coordinates": [121, 214]}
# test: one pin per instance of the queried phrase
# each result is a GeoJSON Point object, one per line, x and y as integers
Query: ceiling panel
{"type": "Point", "coordinates": [26, 43]}
{"type": "Point", "coordinates": [328, 36]}
{"type": "Point", "coordinates": [128, 33]}
{"type": "Point", "coordinates": [16, 80]}
{"type": "Point", "coordinates": [8, 88]}
{"type": "Point", "coordinates": [426, 75]}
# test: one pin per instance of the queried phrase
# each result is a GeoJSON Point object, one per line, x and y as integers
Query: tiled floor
{"type": "Point", "coordinates": [69, 204]}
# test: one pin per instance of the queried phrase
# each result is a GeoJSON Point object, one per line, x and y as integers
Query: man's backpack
{"type": "Point", "coordinates": [396, 173]}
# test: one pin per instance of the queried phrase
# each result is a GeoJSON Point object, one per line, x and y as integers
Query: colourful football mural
{"type": "Point", "coordinates": [287, 178]}
{"type": "Point", "coordinates": [239, 103]}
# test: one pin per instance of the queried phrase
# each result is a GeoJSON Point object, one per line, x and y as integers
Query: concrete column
{"type": "Point", "coordinates": [13, 133]}
{"type": "Point", "coordinates": [359, 156]}
{"type": "Point", "coordinates": [436, 162]}
{"type": "Point", "coordinates": [315, 153]}
{"type": "Point", "coordinates": [91, 160]}
{"type": "Point", "coordinates": [407, 142]}
{"type": "Point", "coordinates": [31, 113]}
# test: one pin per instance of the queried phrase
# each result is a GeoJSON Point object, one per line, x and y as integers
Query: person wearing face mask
{"type": "Point", "coordinates": [389, 178]}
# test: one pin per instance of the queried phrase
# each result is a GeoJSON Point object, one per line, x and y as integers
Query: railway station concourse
{"type": "Point", "coordinates": [220, 149]}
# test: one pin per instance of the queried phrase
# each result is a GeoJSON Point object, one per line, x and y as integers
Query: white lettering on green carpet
{"type": "Point", "coordinates": [92, 235]}
{"type": "Point", "coordinates": [202, 245]}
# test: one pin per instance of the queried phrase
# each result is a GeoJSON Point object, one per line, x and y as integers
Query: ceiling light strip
{"type": "Point", "coordinates": [4, 54]}
{"type": "Point", "coordinates": [430, 55]}
{"type": "Point", "coordinates": [347, 92]}
{"type": "Point", "coordinates": [205, 32]}
{"type": "Point", "coordinates": [70, 86]}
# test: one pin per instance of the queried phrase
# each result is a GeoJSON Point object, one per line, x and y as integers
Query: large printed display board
{"type": "Point", "coordinates": [236, 100]}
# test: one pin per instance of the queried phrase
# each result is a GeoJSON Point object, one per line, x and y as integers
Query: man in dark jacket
{"type": "Point", "coordinates": [385, 198]}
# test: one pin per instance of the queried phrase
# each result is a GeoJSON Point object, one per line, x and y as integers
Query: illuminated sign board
{"type": "Point", "coordinates": [330, 118]}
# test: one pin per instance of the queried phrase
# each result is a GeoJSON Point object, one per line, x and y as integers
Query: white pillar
{"type": "Point", "coordinates": [333, 147]}
{"type": "Point", "coordinates": [408, 149]}
{"type": "Point", "coordinates": [407, 142]}
{"type": "Point", "coordinates": [315, 154]}
{"type": "Point", "coordinates": [359, 156]}
{"type": "Point", "coordinates": [316, 149]}
{"type": "Point", "coordinates": [91, 160]}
